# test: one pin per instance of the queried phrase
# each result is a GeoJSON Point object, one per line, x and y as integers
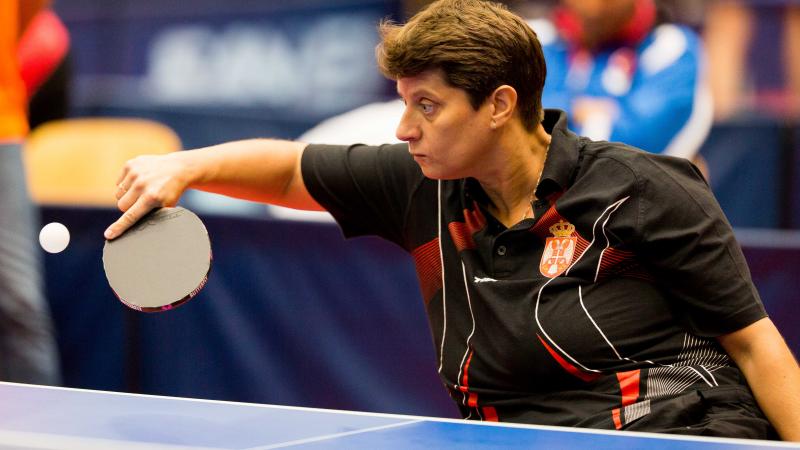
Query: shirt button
{"type": "Point", "coordinates": [501, 250]}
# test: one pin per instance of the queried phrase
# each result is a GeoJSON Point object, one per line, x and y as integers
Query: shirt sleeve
{"type": "Point", "coordinates": [689, 246]}
{"type": "Point", "coordinates": [366, 189]}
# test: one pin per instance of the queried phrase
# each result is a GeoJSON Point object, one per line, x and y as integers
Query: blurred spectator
{"type": "Point", "coordinates": [687, 12]}
{"type": "Point", "coordinates": [730, 33]}
{"type": "Point", "coordinates": [27, 348]}
{"type": "Point", "coordinates": [625, 73]}
{"type": "Point", "coordinates": [43, 58]}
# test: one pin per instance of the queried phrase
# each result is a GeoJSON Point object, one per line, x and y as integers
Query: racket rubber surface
{"type": "Point", "coordinates": [161, 262]}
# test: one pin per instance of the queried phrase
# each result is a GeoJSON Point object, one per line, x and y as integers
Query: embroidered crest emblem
{"type": "Point", "coordinates": [558, 249]}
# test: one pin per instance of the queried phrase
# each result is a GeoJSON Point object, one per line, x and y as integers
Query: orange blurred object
{"type": "Point", "coordinates": [78, 161]}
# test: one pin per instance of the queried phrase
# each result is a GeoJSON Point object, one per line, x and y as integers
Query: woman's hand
{"type": "Point", "coordinates": [148, 182]}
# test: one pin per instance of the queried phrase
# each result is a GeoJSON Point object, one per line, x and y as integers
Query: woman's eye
{"type": "Point", "coordinates": [426, 108]}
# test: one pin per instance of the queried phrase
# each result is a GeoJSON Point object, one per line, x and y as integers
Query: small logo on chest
{"type": "Point", "coordinates": [558, 249]}
{"type": "Point", "coordinates": [483, 280]}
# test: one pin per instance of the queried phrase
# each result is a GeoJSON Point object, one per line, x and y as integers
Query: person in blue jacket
{"type": "Point", "coordinates": [623, 72]}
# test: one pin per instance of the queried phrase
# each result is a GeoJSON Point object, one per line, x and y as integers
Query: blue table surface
{"type": "Point", "coordinates": [45, 417]}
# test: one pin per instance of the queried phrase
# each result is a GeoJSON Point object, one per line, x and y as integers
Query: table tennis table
{"type": "Point", "coordinates": [37, 417]}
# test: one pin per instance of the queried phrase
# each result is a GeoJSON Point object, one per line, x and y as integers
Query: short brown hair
{"type": "Point", "coordinates": [479, 45]}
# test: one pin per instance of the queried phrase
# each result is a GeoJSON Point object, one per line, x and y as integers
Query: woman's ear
{"type": "Point", "coordinates": [503, 102]}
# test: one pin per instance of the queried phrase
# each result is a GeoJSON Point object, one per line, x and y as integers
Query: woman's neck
{"type": "Point", "coordinates": [510, 179]}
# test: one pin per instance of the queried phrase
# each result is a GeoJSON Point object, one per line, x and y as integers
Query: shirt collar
{"type": "Point", "coordinates": [562, 157]}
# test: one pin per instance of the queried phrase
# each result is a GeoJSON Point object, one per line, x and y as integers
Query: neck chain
{"type": "Point", "coordinates": [530, 211]}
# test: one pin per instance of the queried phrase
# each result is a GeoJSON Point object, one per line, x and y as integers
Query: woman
{"type": "Point", "coordinates": [567, 281]}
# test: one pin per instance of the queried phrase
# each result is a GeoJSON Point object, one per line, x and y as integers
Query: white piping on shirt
{"type": "Point", "coordinates": [466, 352]}
{"type": "Point", "coordinates": [615, 206]}
{"type": "Point", "coordinates": [444, 291]}
{"type": "Point", "coordinates": [608, 241]}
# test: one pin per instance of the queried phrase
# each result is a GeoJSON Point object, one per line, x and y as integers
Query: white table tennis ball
{"type": "Point", "coordinates": [54, 237]}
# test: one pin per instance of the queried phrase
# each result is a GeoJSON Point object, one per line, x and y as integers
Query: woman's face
{"type": "Point", "coordinates": [447, 137]}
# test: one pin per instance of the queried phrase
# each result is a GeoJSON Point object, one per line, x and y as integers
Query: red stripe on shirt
{"type": "Point", "coordinates": [465, 376]}
{"type": "Point", "coordinates": [629, 386]}
{"type": "Point", "coordinates": [548, 219]}
{"type": "Point", "coordinates": [462, 232]}
{"type": "Point", "coordinates": [474, 218]}
{"type": "Point", "coordinates": [616, 263]}
{"type": "Point", "coordinates": [472, 398]}
{"type": "Point", "coordinates": [617, 421]}
{"type": "Point", "coordinates": [429, 268]}
{"type": "Point", "coordinates": [585, 376]}
{"type": "Point", "coordinates": [462, 238]}
{"type": "Point", "coordinates": [490, 414]}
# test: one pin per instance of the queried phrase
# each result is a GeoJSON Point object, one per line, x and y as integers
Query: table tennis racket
{"type": "Point", "coordinates": [161, 262]}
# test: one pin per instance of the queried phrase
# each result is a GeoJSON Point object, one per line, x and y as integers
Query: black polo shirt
{"type": "Point", "coordinates": [600, 312]}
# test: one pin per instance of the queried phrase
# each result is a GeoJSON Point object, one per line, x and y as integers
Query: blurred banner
{"type": "Point", "coordinates": [297, 62]}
